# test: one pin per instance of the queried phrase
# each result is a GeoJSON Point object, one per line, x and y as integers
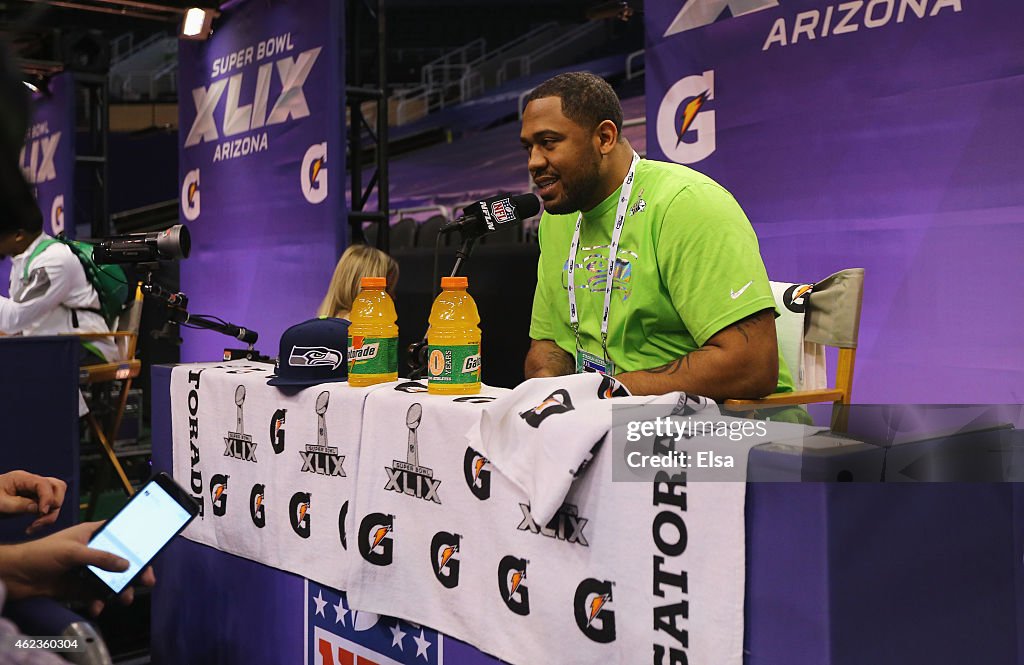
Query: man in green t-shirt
{"type": "Point", "coordinates": [690, 307]}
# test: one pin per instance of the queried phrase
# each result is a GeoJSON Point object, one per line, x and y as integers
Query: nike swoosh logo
{"type": "Point", "coordinates": [736, 294]}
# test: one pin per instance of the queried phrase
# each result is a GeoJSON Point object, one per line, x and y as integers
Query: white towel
{"type": "Point", "coordinates": [600, 582]}
{"type": "Point", "coordinates": [543, 434]}
{"type": "Point", "coordinates": [274, 470]}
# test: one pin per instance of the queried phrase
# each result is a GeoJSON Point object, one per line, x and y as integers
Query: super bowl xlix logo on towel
{"type": "Point", "coordinates": [238, 444]}
{"type": "Point", "coordinates": [322, 458]}
{"type": "Point", "coordinates": [409, 477]}
{"type": "Point", "coordinates": [339, 635]}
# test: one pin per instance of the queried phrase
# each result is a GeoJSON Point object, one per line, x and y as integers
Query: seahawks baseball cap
{"type": "Point", "coordinates": [312, 352]}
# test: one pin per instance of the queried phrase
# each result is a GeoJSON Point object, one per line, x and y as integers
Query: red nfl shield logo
{"type": "Point", "coordinates": [503, 211]}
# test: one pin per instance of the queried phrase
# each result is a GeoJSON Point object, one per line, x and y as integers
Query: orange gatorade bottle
{"type": "Point", "coordinates": [453, 341]}
{"type": "Point", "coordinates": [373, 335]}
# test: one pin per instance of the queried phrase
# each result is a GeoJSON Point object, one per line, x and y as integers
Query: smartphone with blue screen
{"type": "Point", "coordinates": [157, 513]}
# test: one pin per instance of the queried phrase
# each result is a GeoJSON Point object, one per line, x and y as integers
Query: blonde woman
{"type": "Point", "coordinates": [356, 262]}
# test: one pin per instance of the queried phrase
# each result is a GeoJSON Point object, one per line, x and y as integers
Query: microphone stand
{"type": "Point", "coordinates": [418, 350]}
{"type": "Point", "coordinates": [177, 308]}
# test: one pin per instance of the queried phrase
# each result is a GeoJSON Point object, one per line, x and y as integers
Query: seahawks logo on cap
{"type": "Point", "coordinates": [314, 356]}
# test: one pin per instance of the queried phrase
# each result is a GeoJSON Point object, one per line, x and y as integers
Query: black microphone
{"type": "Point", "coordinates": [493, 214]}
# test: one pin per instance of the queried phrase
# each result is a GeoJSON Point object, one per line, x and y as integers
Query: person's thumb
{"type": "Point", "coordinates": [87, 556]}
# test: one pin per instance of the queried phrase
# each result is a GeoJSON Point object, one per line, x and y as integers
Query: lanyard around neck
{"type": "Point", "coordinates": [613, 249]}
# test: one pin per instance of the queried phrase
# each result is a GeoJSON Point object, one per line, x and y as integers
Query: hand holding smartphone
{"type": "Point", "coordinates": [142, 528]}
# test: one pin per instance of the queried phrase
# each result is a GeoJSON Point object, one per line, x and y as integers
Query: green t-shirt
{"type": "Point", "coordinates": [688, 265]}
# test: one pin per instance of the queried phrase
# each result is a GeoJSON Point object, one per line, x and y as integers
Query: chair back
{"type": "Point", "coordinates": [814, 316]}
{"type": "Point", "coordinates": [129, 322]}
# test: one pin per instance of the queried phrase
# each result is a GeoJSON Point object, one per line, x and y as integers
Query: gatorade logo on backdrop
{"type": "Point", "coordinates": [277, 431]}
{"type": "Point", "coordinates": [443, 549]}
{"type": "Point", "coordinates": [555, 403]}
{"type": "Point", "coordinates": [478, 476]}
{"type": "Point", "coordinates": [512, 584]}
{"type": "Point", "coordinates": [190, 207]}
{"type": "Point", "coordinates": [256, 508]}
{"type": "Point", "coordinates": [298, 513]}
{"type": "Point", "coordinates": [313, 175]}
{"type": "Point", "coordinates": [375, 544]}
{"type": "Point", "coordinates": [699, 13]}
{"type": "Point", "coordinates": [591, 607]}
{"type": "Point", "coordinates": [219, 494]}
{"type": "Point", "coordinates": [685, 128]}
{"type": "Point", "coordinates": [57, 214]}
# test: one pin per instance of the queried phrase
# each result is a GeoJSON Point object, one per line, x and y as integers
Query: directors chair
{"type": "Point", "coordinates": [122, 369]}
{"type": "Point", "coordinates": [812, 317]}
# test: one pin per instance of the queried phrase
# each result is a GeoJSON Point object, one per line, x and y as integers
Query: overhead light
{"type": "Point", "coordinates": [197, 23]}
{"type": "Point", "coordinates": [30, 86]}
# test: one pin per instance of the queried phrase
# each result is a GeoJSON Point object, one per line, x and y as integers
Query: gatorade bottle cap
{"type": "Point", "coordinates": [454, 282]}
{"type": "Point", "coordinates": [373, 282]}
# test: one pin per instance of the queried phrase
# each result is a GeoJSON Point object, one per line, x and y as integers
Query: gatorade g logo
{"type": "Point", "coordinates": [443, 548]}
{"type": "Point", "coordinates": [795, 297]}
{"type": "Point", "coordinates": [219, 494]}
{"type": "Point", "coordinates": [360, 351]}
{"type": "Point", "coordinates": [512, 584]}
{"type": "Point", "coordinates": [478, 477]}
{"type": "Point", "coordinates": [342, 516]}
{"type": "Point", "coordinates": [471, 364]}
{"type": "Point", "coordinates": [611, 388]}
{"type": "Point", "coordinates": [190, 195]}
{"type": "Point", "coordinates": [411, 387]}
{"type": "Point", "coordinates": [557, 402]}
{"type": "Point", "coordinates": [591, 608]}
{"type": "Point", "coordinates": [374, 540]}
{"type": "Point", "coordinates": [313, 175]}
{"type": "Point", "coordinates": [681, 115]}
{"type": "Point", "coordinates": [256, 509]}
{"type": "Point", "coordinates": [277, 431]}
{"type": "Point", "coordinates": [298, 513]}
{"type": "Point", "coordinates": [57, 214]}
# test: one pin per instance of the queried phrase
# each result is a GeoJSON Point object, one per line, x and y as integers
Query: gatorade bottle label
{"type": "Point", "coordinates": [372, 355]}
{"type": "Point", "coordinates": [454, 364]}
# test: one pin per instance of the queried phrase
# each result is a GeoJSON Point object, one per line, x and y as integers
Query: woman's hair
{"type": "Point", "coordinates": [356, 262]}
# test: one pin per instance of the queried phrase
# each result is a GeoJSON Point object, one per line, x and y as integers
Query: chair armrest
{"type": "Point", "coordinates": [784, 399]}
{"type": "Point", "coordinates": [101, 335]}
{"type": "Point", "coordinates": [129, 369]}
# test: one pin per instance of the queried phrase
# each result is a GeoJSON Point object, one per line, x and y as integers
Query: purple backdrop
{"type": "Point", "coordinates": [48, 160]}
{"type": "Point", "coordinates": [883, 135]}
{"type": "Point", "coordinates": [261, 103]}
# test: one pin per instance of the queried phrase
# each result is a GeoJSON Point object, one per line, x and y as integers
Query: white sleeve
{"type": "Point", "coordinates": [49, 285]}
